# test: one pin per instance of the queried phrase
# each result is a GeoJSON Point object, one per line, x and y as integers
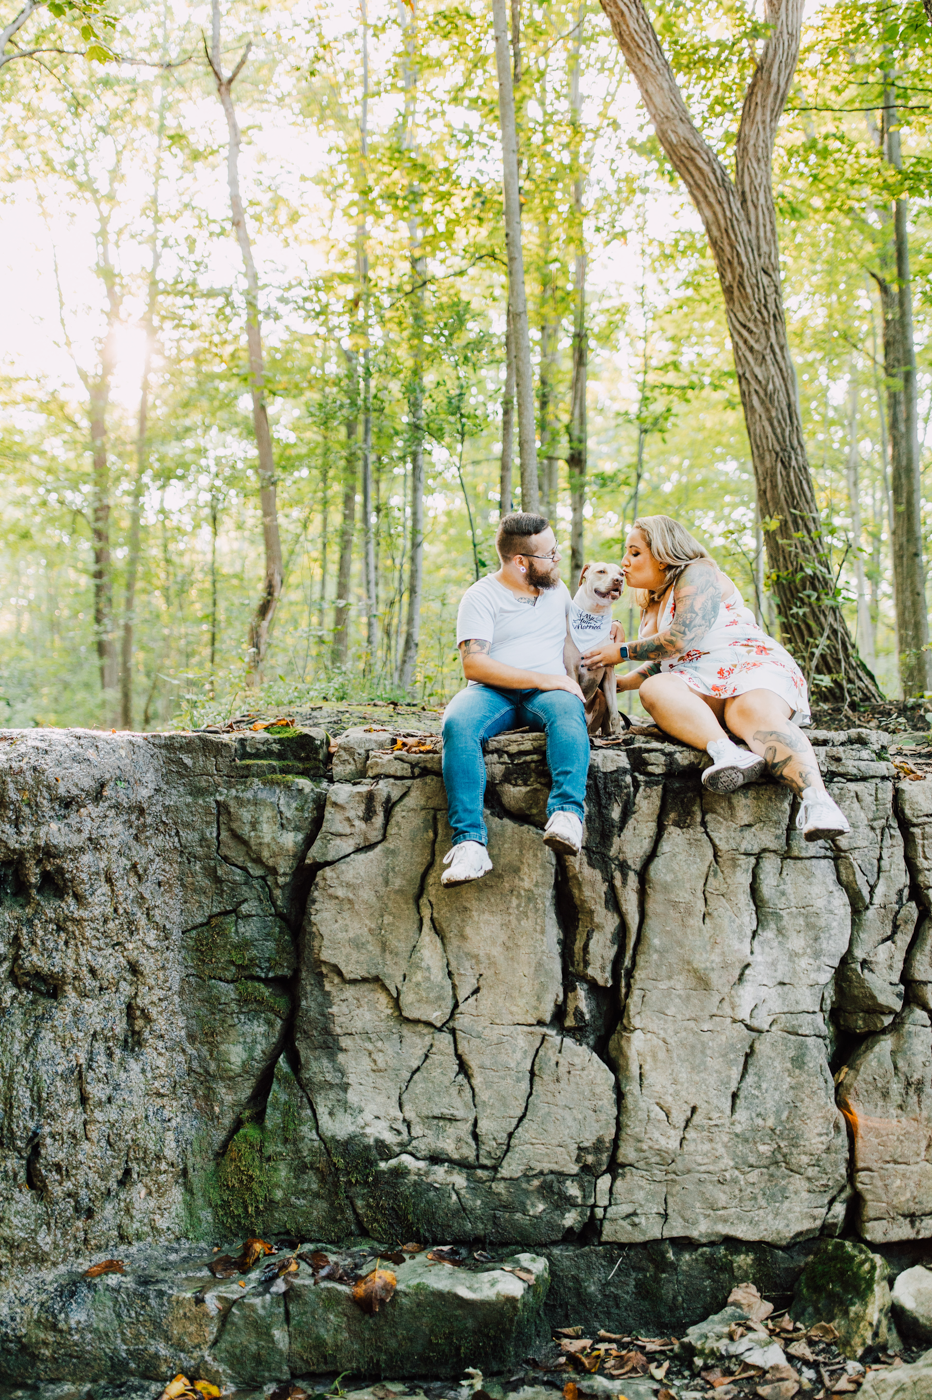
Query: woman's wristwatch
{"type": "Point", "coordinates": [622, 651]}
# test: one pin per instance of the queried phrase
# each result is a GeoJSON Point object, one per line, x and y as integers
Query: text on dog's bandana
{"type": "Point", "coordinates": [589, 629]}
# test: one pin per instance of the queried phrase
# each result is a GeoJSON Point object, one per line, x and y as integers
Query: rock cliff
{"type": "Point", "coordinates": [234, 994]}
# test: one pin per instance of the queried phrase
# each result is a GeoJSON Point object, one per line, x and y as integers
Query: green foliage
{"type": "Point", "coordinates": [115, 162]}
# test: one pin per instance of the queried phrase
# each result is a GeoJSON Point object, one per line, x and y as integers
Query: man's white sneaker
{"type": "Point", "coordinates": [732, 767]}
{"type": "Point", "coordinates": [819, 817]}
{"type": "Point", "coordinates": [469, 860]}
{"type": "Point", "coordinates": [563, 833]}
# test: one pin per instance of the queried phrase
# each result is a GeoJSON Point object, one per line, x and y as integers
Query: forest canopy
{"type": "Point", "coordinates": [268, 380]}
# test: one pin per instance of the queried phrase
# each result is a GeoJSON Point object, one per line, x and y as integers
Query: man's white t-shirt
{"type": "Point", "coordinates": [525, 632]}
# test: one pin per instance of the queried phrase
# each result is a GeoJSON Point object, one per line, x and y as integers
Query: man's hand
{"type": "Point", "coordinates": [560, 683]}
{"type": "Point", "coordinates": [608, 654]}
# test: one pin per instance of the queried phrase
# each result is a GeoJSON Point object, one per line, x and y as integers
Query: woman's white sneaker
{"type": "Point", "coordinates": [469, 860]}
{"type": "Point", "coordinates": [819, 817]}
{"type": "Point", "coordinates": [563, 833]}
{"type": "Point", "coordinates": [732, 766]}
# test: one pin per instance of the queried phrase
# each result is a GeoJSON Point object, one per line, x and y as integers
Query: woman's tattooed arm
{"type": "Point", "coordinates": [697, 596]}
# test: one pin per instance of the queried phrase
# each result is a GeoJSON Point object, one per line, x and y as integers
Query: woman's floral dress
{"type": "Point", "coordinates": [737, 655]}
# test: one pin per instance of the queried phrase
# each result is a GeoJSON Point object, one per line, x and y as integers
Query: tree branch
{"type": "Point", "coordinates": [760, 116]}
{"type": "Point", "coordinates": [705, 177]}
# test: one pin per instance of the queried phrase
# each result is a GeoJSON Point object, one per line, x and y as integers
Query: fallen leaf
{"type": "Point", "coordinates": [603, 1336]}
{"type": "Point", "coordinates": [481, 1255]}
{"type": "Point", "coordinates": [524, 1275]}
{"type": "Point", "coordinates": [223, 1267]}
{"type": "Point", "coordinates": [570, 1391]}
{"type": "Point", "coordinates": [448, 1254]}
{"type": "Point", "coordinates": [569, 1331]}
{"type": "Point", "coordinates": [413, 1248]}
{"type": "Point", "coordinates": [335, 1273]}
{"type": "Point", "coordinates": [317, 1260]}
{"type": "Point", "coordinates": [288, 1391]}
{"type": "Point", "coordinates": [208, 1389]}
{"type": "Point", "coordinates": [251, 1251]}
{"type": "Point", "coordinates": [575, 1345]}
{"type": "Point", "coordinates": [800, 1350]}
{"type": "Point", "coordinates": [822, 1332]}
{"type": "Point", "coordinates": [633, 1363]}
{"type": "Point", "coordinates": [658, 1372]}
{"type": "Point", "coordinates": [746, 1296]}
{"type": "Point", "coordinates": [175, 1388]}
{"type": "Point", "coordinates": [106, 1266]}
{"type": "Point", "coordinates": [665, 1394]}
{"type": "Point", "coordinates": [396, 1257]}
{"type": "Point", "coordinates": [715, 1376]}
{"type": "Point", "coordinates": [845, 1386]}
{"type": "Point", "coordinates": [373, 1290]}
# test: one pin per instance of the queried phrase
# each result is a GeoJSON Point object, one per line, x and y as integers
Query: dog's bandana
{"type": "Point", "coordinates": [589, 629]}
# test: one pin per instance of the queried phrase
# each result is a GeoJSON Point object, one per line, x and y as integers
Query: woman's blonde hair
{"type": "Point", "coordinates": [670, 544]}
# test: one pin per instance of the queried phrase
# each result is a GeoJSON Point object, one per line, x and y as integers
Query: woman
{"type": "Point", "coordinates": [709, 667]}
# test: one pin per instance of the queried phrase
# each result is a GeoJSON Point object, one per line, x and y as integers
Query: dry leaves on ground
{"type": "Point", "coordinates": [106, 1266]}
{"type": "Point", "coordinates": [182, 1389]}
{"type": "Point", "coordinates": [746, 1296]}
{"type": "Point", "coordinates": [374, 1290]}
{"type": "Point", "coordinates": [224, 1266]}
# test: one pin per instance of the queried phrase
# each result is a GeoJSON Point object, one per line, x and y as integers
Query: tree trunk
{"type": "Point", "coordinates": [339, 654]}
{"type": "Point", "coordinates": [505, 488]}
{"type": "Point", "coordinates": [362, 269]}
{"type": "Point", "coordinates": [408, 665]}
{"type": "Point", "coordinates": [576, 458]}
{"type": "Point", "coordinates": [740, 223]}
{"type": "Point", "coordinates": [865, 633]}
{"type": "Point", "coordinates": [264, 614]}
{"type": "Point", "coordinates": [517, 297]}
{"type": "Point", "coordinates": [893, 281]}
{"type": "Point", "coordinates": [548, 474]}
{"type": "Point", "coordinates": [142, 445]}
{"type": "Point", "coordinates": [102, 573]}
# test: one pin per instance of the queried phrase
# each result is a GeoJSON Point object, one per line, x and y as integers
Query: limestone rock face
{"type": "Point", "coordinates": [886, 1094]}
{"type": "Point", "coordinates": [236, 997]}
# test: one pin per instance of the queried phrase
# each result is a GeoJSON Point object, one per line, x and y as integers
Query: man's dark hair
{"type": "Point", "coordinates": [515, 532]}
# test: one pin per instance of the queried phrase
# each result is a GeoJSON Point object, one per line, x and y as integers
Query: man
{"type": "Point", "coordinates": [510, 630]}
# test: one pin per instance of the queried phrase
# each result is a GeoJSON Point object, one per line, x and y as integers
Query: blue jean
{"type": "Point", "coordinates": [478, 713]}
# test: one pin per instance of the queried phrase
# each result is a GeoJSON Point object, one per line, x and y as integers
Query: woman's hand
{"type": "Point", "coordinates": [617, 632]}
{"type": "Point", "coordinates": [608, 654]}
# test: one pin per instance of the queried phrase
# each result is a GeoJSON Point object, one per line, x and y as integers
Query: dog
{"type": "Point", "coordinates": [589, 623]}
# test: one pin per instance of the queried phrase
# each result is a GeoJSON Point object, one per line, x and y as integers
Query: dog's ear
{"type": "Point", "coordinates": [582, 575]}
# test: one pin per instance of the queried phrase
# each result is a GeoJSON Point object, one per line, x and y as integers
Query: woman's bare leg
{"type": "Point", "coordinates": [680, 711]}
{"type": "Point", "coordinates": [762, 720]}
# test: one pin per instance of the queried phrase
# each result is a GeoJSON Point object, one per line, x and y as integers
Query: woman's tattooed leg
{"type": "Point", "coordinates": [762, 720]}
{"type": "Point", "coordinates": [789, 757]}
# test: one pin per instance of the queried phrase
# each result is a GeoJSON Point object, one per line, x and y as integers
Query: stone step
{"type": "Point", "coordinates": [166, 1313]}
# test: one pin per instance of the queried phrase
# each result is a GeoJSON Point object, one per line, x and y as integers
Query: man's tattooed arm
{"type": "Point", "coordinates": [697, 597]}
{"type": "Point", "coordinates": [475, 647]}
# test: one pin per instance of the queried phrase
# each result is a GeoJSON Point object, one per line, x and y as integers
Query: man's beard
{"type": "Point", "coordinates": [541, 578]}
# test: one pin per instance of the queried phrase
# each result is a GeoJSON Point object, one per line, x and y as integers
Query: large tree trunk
{"type": "Point", "coordinates": [576, 457]}
{"type": "Point", "coordinates": [517, 297]}
{"type": "Point", "coordinates": [740, 222]}
{"type": "Point", "coordinates": [264, 614]}
{"type": "Point", "coordinates": [894, 284]}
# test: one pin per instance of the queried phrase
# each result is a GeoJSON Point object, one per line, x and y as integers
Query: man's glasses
{"type": "Point", "coordinates": [553, 556]}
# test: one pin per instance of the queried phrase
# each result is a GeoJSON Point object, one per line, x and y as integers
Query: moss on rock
{"type": "Point", "coordinates": [845, 1284]}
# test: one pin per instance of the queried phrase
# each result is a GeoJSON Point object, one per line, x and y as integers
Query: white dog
{"type": "Point", "coordinates": [589, 623]}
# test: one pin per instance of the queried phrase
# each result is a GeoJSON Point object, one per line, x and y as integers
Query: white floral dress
{"type": "Point", "coordinates": [737, 655]}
